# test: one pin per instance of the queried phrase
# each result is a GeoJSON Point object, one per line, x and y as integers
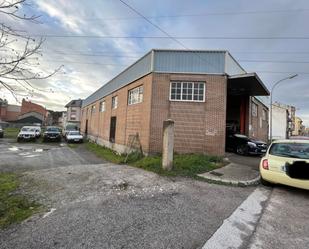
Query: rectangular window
{"type": "Point", "coordinates": [135, 95]}
{"type": "Point", "coordinates": [102, 106]}
{"type": "Point", "coordinates": [114, 102]}
{"type": "Point", "coordinates": [187, 91]}
{"type": "Point", "coordinates": [93, 109]}
{"type": "Point", "coordinates": [264, 114]}
{"type": "Point", "coordinates": [254, 110]}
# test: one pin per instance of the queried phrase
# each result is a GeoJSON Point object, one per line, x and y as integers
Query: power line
{"type": "Point", "coordinates": [153, 24]}
{"type": "Point", "coordinates": [272, 61]}
{"type": "Point", "coordinates": [88, 63]}
{"type": "Point", "coordinates": [199, 14]}
{"type": "Point", "coordinates": [175, 38]}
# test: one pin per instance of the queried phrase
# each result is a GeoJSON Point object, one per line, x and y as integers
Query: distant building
{"type": "Point", "coordinates": [299, 127]}
{"type": "Point", "coordinates": [282, 120]}
{"type": "Point", "coordinates": [73, 113]}
{"type": "Point", "coordinates": [27, 113]}
{"type": "Point", "coordinates": [62, 120]}
{"type": "Point", "coordinates": [8, 112]}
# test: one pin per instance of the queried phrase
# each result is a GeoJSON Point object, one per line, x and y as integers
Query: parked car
{"type": "Point", "coordinates": [244, 145]}
{"type": "Point", "coordinates": [74, 136]}
{"type": "Point", "coordinates": [68, 128]}
{"type": "Point", "coordinates": [52, 133]}
{"type": "Point", "coordinates": [1, 132]}
{"type": "Point", "coordinates": [37, 131]}
{"type": "Point", "coordinates": [26, 133]}
{"type": "Point", "coordinates": [286, 162]}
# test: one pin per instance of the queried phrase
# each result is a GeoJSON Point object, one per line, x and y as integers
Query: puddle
{"type": "Point", "coordinates": [14, 148]}
{"type": "Point", "coordinates": [29, 156]}
{"type": "Point", "coordinates": [24, 154]}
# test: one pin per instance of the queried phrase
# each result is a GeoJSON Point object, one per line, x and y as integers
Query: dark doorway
{"type": "Point", "coordinates": [112, 132]}
{"type": "Point", "coordinates": [86, 127]}
{"type": "Point", "coordinates": [237, 114]}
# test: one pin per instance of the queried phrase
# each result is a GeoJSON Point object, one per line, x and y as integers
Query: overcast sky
{"type": "Point", "coordinates": [90, 62]}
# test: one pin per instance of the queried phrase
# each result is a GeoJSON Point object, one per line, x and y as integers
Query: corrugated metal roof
{"type": "Point", "coordinates": [132, 73]}
{"type": "Point", "coordinates": [173, 61]}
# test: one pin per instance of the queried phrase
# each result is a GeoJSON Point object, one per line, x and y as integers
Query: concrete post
{"type": "Point", "coordinates": [168, 144]}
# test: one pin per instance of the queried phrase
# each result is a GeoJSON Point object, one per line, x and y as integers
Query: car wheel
{"type": "Point", "coordinates": [242, 150]}
{"type": "Point", "coordinates": [265, 183]}
{"type": "Point", "coordinates": [18, 139]}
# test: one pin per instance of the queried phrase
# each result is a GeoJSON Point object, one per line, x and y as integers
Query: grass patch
{"type": "Point", "coordinates": [186, 165]}
{"type": "Point", "coordinates": [14, 207]}
{"type": "Point", "coordinates": [105, 153]}
{"type": "Point", "coordinates": [11, 132]}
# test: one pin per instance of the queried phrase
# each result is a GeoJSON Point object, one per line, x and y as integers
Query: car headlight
{"type": "Point", "coordinates": [251, 144]}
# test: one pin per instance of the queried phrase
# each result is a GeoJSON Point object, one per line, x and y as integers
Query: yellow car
{"type": "Point", "coordinates": [286, 162]}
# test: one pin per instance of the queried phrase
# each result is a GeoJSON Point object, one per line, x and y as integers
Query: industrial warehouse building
{"type": "Point", "coordinates": [206, 93]}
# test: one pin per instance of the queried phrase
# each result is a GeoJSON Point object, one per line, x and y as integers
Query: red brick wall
{"type": "Point", "coordinates": [259, 126]}
{"type": "Point", "coordinates": [3, 113]}
{"type": "Point", "coordinates": [199, 127]}
{"type": "Point", "coordinates": [131, 119]}
{"type": "Point", "coordinates": [28, 106]}
{"type": "Point", "coordinates": [12, 116]}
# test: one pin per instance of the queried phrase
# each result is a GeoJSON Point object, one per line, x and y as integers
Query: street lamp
{"type": "Point", "coordinates": [271, 104]}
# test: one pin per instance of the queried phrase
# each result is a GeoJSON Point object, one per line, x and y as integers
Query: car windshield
{"type": "Point", "coordinates": [73, 133]}
{"type": "Point", "coordinates": [53, 129]}
{"type": "Point", "coordinates": [294, 150]}
{"type": "Point", "coordinates": [24, 129]}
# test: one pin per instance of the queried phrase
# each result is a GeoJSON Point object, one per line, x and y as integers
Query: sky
{"type": "Point", "coordinates": [89, 62]}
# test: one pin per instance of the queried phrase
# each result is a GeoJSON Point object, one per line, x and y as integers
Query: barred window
{"type": "Point", "coordinates": [114, 102]}
{"type": "Point", "coordinates": [102, 106]}
{"type": "Point", "coordinates": [187, 91]}
{"type": "Point", "coordinates": [135, 95]}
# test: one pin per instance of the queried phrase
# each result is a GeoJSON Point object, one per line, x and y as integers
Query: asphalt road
{"type": "Point", "coordinates": [19, 157]}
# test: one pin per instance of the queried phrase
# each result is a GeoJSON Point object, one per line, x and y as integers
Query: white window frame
{"type": "Point", "coordinates": [181, 92]}
{"type": "Point", "coordinates": [264, 114]}
{"type": "Point", "coordinates": [115, 102]}
{"type": "Point", "coordinates": [257, 109]}
{"type": "Point", "coordinates": [102, 106]}
{"type": "Point", "coordinates": [140, 95]}
{"type": "Point", "coordinates": [93, 109]}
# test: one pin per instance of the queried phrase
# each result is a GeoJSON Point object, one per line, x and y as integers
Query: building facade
{"type": "Point", "coordinates": [73, 113]}
{"type": "Point", "coordinates": [299, 127]}
{"type": "Point", "coordinates": [283, 120]}
{"type": "Point", "coordinates": [204, 92]}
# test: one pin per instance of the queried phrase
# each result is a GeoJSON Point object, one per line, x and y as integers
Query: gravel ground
{"type": "Point", "coordinates": [117, 206]}
{"type": "Point", "coordinates": [90, 203]}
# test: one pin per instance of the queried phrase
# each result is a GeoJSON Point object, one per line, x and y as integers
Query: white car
{"type": "Point", "coordinates": [27, 133]}
{"type": "Point", "coordinates": [37, 130]}
{"type": "Point", "coordinates": [74, 136]}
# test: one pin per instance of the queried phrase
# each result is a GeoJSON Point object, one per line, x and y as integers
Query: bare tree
{"type": "Point", "coordinates": [19, 53]}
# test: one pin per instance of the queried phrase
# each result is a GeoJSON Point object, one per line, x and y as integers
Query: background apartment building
{"type": "Point", "coordinates": [73, 113]}
{"type": "Point", "coordinates": [204, 92]}
{"type": "Point", "coordinates": [283, 120]}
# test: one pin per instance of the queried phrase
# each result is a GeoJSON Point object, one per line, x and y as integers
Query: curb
{"type": "Point", "coordinates": [245, 183]}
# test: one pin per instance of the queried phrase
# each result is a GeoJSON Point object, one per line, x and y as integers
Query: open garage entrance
{"type": "Point", "coordinates": [240, 89]}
